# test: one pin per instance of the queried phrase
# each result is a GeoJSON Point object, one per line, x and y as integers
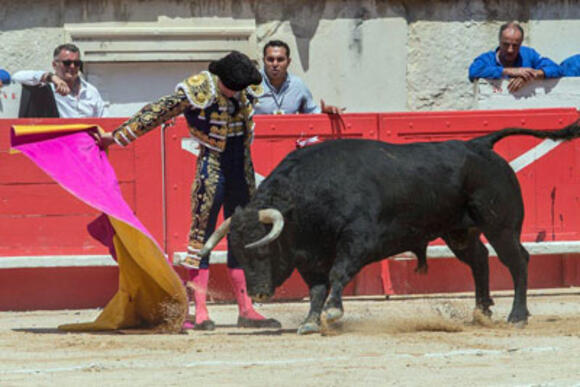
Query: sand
{"type": "Point", "coordinates": [405, 341]}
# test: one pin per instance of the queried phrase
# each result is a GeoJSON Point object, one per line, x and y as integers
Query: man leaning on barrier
{"type": "Point", "coordinates": [63, 93]}
{"type": "Point", "coordinates": [512, 60]}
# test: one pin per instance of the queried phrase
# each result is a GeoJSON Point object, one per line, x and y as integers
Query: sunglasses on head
{"type": "Point", "coordinates": [67, 63]}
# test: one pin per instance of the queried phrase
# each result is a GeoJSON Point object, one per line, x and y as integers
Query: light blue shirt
{"type": "Point", "coordinates": [293, 97]}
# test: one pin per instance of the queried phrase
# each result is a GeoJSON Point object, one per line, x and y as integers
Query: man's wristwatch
{"type": "Point", "coordinates": [48, 77]}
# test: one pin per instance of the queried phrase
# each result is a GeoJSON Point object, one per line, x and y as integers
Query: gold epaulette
{"type": "Point", "coordinates": [200, 89]}
{"type": "Point", "coordinates": [255, 91]}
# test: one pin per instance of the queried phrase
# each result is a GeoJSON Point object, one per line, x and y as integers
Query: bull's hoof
{"type": "Point", "coordinates": [518, 319]}
{"type": "Point", "coordinates": [244, 322]}
{"type": "Point", "coordinates": [331, 315]}
{"type": "Point", "coordinates": [308, 328]}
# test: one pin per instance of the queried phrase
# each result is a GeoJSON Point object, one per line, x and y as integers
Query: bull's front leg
{"type": "Point", "coordinates": [311, 324]}
{"type": "Point", "coordinates": [341, 273]}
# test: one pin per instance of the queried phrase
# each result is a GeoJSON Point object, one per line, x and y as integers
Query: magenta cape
{"type": "Point", "coordinates": [150, 294]}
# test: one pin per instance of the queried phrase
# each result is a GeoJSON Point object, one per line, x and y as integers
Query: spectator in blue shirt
{"type": "Point", "coordinates": [4, 78]}
{"type": "Point", "coordinates": [512, 60]}
{"type": "Point", "coordinates": [571, 66]}
{"type": "Point", "coordinates": [285, 93]}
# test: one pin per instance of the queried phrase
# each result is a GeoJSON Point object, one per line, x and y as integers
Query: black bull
{"type": "Point", "coordinates": [340, 205]}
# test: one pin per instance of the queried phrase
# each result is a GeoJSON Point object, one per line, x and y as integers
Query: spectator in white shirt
{"type": "Point", "coordinates": [74, 96]}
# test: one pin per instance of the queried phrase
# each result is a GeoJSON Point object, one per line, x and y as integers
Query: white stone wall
{"type": "Point", "coordinates": [368, 55]}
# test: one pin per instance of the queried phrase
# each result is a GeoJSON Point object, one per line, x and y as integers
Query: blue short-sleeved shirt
{"type": "Point", "coordinates": [4, 77]}
{"type": "Point", "coordinates": [293, 97]}
{"type": "Point", "coordinates": [487, 65]}
{"type": "Point", "coordinates": [571, 66]}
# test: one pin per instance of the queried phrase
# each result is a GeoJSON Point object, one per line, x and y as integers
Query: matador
{"type": "Point", "coordinates": [218, 105]}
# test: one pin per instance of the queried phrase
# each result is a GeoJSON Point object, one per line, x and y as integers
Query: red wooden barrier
{"type": "Point", "coordinates": [37, 218]}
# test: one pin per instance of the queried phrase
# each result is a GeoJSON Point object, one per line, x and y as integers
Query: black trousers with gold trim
{"type": "Point", "coordinates": [222, 179]}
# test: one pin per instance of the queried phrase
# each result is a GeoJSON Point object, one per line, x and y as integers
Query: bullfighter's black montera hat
{"type": "Point", "coordinates": [236, 71]}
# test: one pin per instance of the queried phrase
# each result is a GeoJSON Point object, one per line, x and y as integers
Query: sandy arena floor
{"type": "Point", "coordinates": [405, 341]}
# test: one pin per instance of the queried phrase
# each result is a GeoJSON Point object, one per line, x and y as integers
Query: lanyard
{"type": "Point", "coordinates": [279, 109]}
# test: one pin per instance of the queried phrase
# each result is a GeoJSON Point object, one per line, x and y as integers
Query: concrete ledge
{"type": "Point", "coordinates": [56, 261]}
{"type": "Point", "coordinates": [220, 257]}
{"type": "Point", "coordinates": [546, 93]}
{"type": "Point", "coordinates": [534, 248]}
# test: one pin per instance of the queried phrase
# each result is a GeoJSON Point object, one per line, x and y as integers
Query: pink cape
{"type": "Point", "coordinates": [150, 292]}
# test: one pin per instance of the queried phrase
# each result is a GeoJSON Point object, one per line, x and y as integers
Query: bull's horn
{"type": "Point", "coordinates": [269, 216]}
{"type": "Point", "coordinates": [217, 236]}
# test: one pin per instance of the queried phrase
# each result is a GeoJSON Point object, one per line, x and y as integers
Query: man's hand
{"type": "Point", "coordinates": [527, 73]}
{"type": "Point", "coordinates": [103, 140]}
{"type": "Point", "coordinates": [515, 84]}
{"type": "Point", "coordinates": [329, 109]}
{"type": "Point", "coordinates": [60, 86]}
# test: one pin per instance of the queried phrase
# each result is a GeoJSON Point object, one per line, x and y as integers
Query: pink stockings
{"type": "Point", "coordinates": [248, 317]}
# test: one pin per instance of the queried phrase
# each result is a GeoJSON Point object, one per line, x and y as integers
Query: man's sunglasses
{"type": "Point", "coordinates": [67, 63]}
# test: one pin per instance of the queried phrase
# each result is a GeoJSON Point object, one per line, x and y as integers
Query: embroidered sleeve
{"type": "Point", "coordinates": [150, 116]}
{"type": "Point", "coordinates": [247, 101]}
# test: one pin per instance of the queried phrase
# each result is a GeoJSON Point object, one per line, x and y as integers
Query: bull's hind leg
{"type": "Point", "coordinates": [421, 254]}
{"type": "Point", "coordinates": [468, 248]}
{"type": "Point", "coordinates": [513, 255]}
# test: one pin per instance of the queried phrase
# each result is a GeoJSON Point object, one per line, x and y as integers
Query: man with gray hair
{"type": "Point", "coordinates": [512, 60]}
{"type": "Point", "coordinates": [73, 96]}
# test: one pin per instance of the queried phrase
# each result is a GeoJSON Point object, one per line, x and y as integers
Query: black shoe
{"type": "Point", "coordinates": [244, 322]}
{"type": "Point", "coordinates": [206, 325]}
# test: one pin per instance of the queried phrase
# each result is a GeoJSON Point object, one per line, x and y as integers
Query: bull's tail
{"type": "Point", "coordinates": [568, 133]}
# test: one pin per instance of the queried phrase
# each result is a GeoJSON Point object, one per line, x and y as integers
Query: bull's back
{"type": "Point", "coordinates": [366, 175]}
{"type": "Point", "coordinates": [396, 168]}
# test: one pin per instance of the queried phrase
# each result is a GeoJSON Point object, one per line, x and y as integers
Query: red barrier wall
{"type": "Point", "coordinates": [38, 218]}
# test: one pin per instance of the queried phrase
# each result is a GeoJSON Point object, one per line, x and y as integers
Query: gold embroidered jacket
{"type": "Point", "coordinates": [211, 117]}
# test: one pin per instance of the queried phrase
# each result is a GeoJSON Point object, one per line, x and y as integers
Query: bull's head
{"type": "Point", "coordinates": [256, 248]}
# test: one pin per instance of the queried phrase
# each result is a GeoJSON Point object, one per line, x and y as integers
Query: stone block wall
{"type": "Point", "coordinates": [369, 55]}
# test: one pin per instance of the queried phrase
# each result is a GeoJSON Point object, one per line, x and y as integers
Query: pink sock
{"type": "Point", "coordinates": [245, 307]}
{"type": "Point", "coordinates": [199, 280]}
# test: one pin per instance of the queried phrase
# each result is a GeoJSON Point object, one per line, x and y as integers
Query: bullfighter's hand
{"type": "Point", "coordinates": [103, 140]}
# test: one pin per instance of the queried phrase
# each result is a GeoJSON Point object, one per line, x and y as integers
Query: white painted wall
{"type": "Point", "coordinates": [548, 93]}
{"type": "Point", "coordinates": [366, 55]}
{"type": "Point", "coordinates": [126, 88]}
